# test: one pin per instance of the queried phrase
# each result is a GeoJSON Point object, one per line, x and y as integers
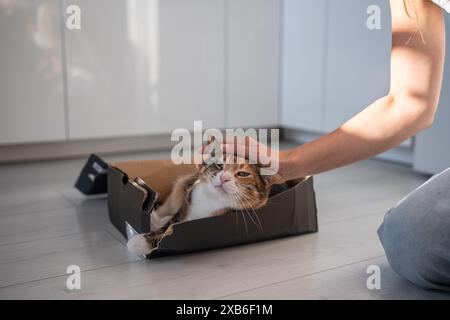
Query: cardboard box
{"type": "Point", "coordinates": [134, 187]}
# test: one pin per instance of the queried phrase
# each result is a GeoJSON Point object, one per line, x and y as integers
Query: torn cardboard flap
{"type": "Point", "coordinates": [157, 174]}
{"type": "Point", "coordinates": [92, 179]}
{"type": "Point", "coordinates": [134, 187]}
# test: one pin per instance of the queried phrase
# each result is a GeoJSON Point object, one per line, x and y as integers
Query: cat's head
{"type": "Point", "coordinates": [238, 182]}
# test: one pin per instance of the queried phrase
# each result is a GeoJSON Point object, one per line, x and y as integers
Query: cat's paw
{"type": "Point", "coordinates": [139, 245]}
{"type": "Point", "coordinates": [156, 222]}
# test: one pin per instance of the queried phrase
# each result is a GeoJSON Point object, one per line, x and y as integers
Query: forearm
{"type": "Point", "coordinates": [381, 126]}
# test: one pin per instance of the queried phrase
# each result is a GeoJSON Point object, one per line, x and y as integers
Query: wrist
{"type": "Point", "coordinates": [289, 165]}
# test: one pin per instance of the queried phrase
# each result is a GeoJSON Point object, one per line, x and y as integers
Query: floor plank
{"type": "Point", "coordinates": [364, 188]}
{"type": "Point", "coordinates": [92, 215]}
{"type": "Point", "coordinates": [347, 282]}
{"type": "Point", "coordinates": [34, 260]}
{"type": "Point", "coordinates": [31, 201]}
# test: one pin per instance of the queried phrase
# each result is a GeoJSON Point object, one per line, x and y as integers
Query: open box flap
{"type": "Point", "coordinates": [92, 178]}
{"type": "Point", "coordinates": [130, 201]}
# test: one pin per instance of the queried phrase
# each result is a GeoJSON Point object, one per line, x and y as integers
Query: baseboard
{"type": "Point", "coordinates": [72, 149]}
{"type": "Point", "coordinates": [79, 148]}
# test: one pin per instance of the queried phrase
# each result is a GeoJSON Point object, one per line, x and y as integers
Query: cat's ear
{"type": "Point", "coordinates": [271, 180]}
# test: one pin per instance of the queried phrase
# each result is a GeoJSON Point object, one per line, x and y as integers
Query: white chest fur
{"type": "Point", "coordinates": [204, 201]}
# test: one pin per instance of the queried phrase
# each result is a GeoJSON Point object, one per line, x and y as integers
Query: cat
{"type": "Point", "coordinates": [214, 190]}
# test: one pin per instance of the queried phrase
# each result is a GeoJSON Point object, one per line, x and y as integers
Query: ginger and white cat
{"type": "Point", "coordinates": [213, 190]}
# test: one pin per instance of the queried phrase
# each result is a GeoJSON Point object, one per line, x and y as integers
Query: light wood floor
{"type": "Point", "coordinates": [46, 225]}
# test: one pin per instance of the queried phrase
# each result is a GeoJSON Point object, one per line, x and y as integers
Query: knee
{"type": "Point", "coordinates": [417, 247]}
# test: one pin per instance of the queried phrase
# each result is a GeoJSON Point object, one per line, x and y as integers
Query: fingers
{"type": "Point", "coordinates": [239, 140]}
{"type": "Point", "coordinates": [233, 141]}
{"type": "Point", "coordinates": [239, 150]}
{"type": "Point", "coordinates": [243, 147]}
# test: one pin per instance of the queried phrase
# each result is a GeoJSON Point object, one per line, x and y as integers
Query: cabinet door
{"type": "Point", "coordinates": [431, 149]}
{"type": "Point", "coordinates": [31, 85]}
{"type": "Point", "coordinates": [253, 41]}
{"type": "Point", "coordinates": [303, 56]}
{"type": "Point", "coordinates": [145, 66]}
{"type": "Point", "coordinates": [358, 59]}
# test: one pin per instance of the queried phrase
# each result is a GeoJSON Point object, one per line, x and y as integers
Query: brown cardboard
{"type": "Point", "coordinates": [134, 187]}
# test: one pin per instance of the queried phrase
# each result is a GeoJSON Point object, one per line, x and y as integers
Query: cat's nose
{"type": "Point", "coordinates": [224, 178]}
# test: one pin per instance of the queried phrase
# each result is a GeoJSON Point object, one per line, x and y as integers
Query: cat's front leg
{"type": "Point", "coordinates": [143, 244]}
{"type": "Point", "coordinates": [139, 245]}
{"type": "Point", "coordinates": [157, 221]}
{"type": "Point", "coordinates": [160, 217]}
{"type": "Point", "coordinates": [219, 212]}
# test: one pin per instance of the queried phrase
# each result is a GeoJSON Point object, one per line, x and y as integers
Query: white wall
{"type": "Point", "coordinates": [432, 146]}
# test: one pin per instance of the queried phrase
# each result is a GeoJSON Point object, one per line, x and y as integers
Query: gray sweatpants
{"type": "Point", "coordinates": [416, 234]}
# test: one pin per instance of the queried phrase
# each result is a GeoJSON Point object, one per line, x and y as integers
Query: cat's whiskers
{"type": "Point", "coordinates": [251, 207]}
{"type": "Point", "coordinates": [244, 205]}
{"type": "Point", "coordinates": [247, 199]}
{"type": "Point", "coordinates": [268, 200]}
{"type": "Point", "coordinates": [237, 205]}
{"type": "Point", "coordinates": [244, 202]}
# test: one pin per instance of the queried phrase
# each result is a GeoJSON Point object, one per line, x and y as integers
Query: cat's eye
{"type": "Point", "coordinates": [243, 174]}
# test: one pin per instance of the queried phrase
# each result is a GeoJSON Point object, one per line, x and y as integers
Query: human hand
{"type": "Point", "coordinates": [270, 160]}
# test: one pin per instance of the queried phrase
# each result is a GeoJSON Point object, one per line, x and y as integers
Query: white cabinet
{"type": "Point", "coordinates": [192, 44]}
{"type": "Point", "coordinates": [357, 59]}
{"type": "Point", "coordinates": [253, 45]}
{"type": "Point", "coordinates": [137, 67]}
{"type": "Point", "coordinates": [431, 150]}
{"type": "Point", "coordinates": [303, 55]}
{"type": "Point", "coordinates": [333, 64]}
{"type": "Point", "coordinates": [145, 66]}
{"type": "Point", "coordinates": [31, 85]}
